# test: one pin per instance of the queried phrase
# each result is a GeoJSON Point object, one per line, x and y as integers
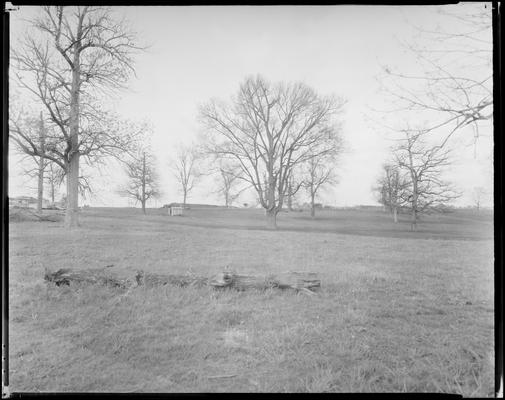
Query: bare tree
{"type": "Point", "coordinates": [227, 177]}
{"type": "Point", "coordinates": [390, 188]}
{"type": "Point", "coordinates": [37, 167]}
{"type": "Point", "coordinates": [318, 172]}
{"type": "Point", "coordinates": [294, 185]}
{"type": "Point", "coordinates": [41, 166]}
{"type": "Point", "coordinates": [424, 164]}
{"type": "Point", "coordinates": [185, 169]}
{"type": "Point", "coordinates": [269, 129]}
{"type": "Point", "coordinates": [37, 164]}
{"type": "Point", "coordinates": [478, 195]}
{"type": "Point", "coordinates": [229, 180]}
{"type": "Point", "coordinates": [143, 180]}
{"type": "Point", "coordinates": [289, 193]}
{"type": "Point", "coordinates": [107, 136]}
{"type": "Point", "coordinates": [79, 54]}
{"type": "Point", "coordinates": [453, 88]}
{"type": "Point", "coordinates": [54, 177]}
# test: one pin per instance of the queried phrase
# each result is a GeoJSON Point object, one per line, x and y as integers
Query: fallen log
{"type": "Point", "coordinates": [142, 278]}
{"type": "Point", "coordinates": [292, 280]}
{"type": "Point", "coordinates": [65, 276]}
{"type": "Point", "coordinates": [299, 281]}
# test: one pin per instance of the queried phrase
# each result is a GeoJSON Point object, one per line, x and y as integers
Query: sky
{"type": "Point", "coordinates": [197, 53]}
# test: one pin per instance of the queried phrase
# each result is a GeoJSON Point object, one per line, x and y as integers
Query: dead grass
{"type": "Point", "coordinates": [394, 315]}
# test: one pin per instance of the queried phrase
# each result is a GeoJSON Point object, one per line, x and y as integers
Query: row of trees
{"type": "Point", "coordinates": [413, 179]}
{"type": "Point", "coordinates": [278, 138]}
{"type": "Point", "coordinates": [70, 62]}
{"type": "Point", "coordinates": [192, 162]}
{"type": "Point", "coordinates": [273, 138]}
{"type": "Point", "coordinates": [76, 57]}
{"type": "Point", "coordinates": [451, 92]}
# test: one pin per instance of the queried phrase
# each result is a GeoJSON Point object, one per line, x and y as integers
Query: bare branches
{"type": "Point", "coordinates": [391, 187]}
{"type": "Point", "coordinates": [101, 135]}
{"type": "Point", "coordinates": [319, 172]}
{"type": "Point", "coordinates": [267, 130]}
{"type": "Point", "coordinates": [453, 87]}
{"type": "Point", "coordinates": [422, 187]}
{"type": "Point", "coordinates": [92, 40]}
{"type": "Point", "coordinates": [80, 54]}
{"type": "Point", "coordinates": [185, 169]}
{"type": "Point", "coordinates": [229, 179]}
{"type": "Point", "coordinates": [143, 180]}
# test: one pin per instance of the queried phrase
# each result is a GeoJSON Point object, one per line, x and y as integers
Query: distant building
{"type": "Point", "coordinates": [175, 210]}
{"type": "Point", "coordinates": [27, 202]}
{"type": "Point", "coordinates": [308, 206]}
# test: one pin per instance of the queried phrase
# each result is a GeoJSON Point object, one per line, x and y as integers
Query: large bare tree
{"type": "Point", "coordinates": [267, 130]}
{"type": "Point", "coordinates": [73, 57]}
{"type": "Point", "coordinates": [185, 169]}
{"type": "Point", "coordinates": [453, 85]}
{"type": "Point", "coordinates": [424, 164]}
{"type": "Point", "coordinates": [143, 180]}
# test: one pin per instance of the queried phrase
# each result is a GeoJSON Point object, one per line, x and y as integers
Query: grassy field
{"type": "Point", "coordinates": [398, 311]}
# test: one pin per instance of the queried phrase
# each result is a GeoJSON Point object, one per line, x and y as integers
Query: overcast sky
{"type": "Point", "coordinates": [197, 53]}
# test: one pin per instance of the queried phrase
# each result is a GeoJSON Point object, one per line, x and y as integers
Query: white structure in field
{"type": "Point", "coordinates": [174, 211]}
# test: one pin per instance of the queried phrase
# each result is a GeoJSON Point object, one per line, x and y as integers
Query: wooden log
{"type": "Point", "coordinates": [292, 280]}
{"type": "Point", "coordinates": [66, 276]}
{"type": "Point", "coordinates": [299, 281]}
{"type": "Point", "coordinates": [147, 279]}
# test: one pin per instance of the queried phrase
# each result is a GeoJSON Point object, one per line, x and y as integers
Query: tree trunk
{"type": "Point", "coordinates": [395, 214]}
{"type": "Point", "coordinates": [143, 201]}
{"type": "Point", "coordinates": [290, 197]}
{"type": "Point", "coordinates": [52, 186]}
{"type": "Point", "coordinates": [271, 219]}
{"type": "Point", "coordinates": [414, 209]}
{"type": "Point", "coordinates": [40, 189]}
{"type": "Point", "coordinates": [71, 216]}
{"type": "Point", "coordinates": [414, 219]}
{"type": "Point", "coordinates": [414, 177]}
{"type": "Point", "coordinates": [184, 198]}
{"type": "Point", "coordinates": [312, 206]}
